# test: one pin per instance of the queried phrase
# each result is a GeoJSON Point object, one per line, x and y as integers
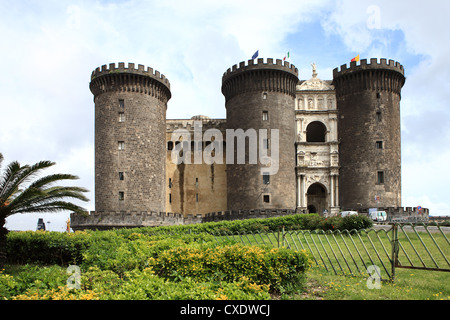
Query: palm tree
{"type": "Point", "coordinates": [22, 191]}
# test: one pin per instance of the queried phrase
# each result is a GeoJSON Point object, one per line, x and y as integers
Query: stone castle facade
{"type": "Point", "coordinates": [338, 143]}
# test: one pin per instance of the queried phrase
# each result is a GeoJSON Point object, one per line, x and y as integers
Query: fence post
{"type": "Point", "coordinates": [278, 238]}
{"type": "Point", "coordinates": [394, 258]}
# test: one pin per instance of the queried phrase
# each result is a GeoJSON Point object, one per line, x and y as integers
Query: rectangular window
{"type": "Point", "coordinates": [121, 195]}
{"type": "Point", "coordinates": [196, 197]}
{"type": "Point", "coordinates": [379, 118]}
{"type": "Point", "coordinates": [121, 145]}
{"type": "Point", "coordinates": [380, 177]}
{"type": "Point", "coordinates": [379, 144]}
{"type": "Point", "coordinates": [121, 103]}
{"type": "Point", "coordinates": [170, 198]}
{"type": "Point", "coordinates": [264, 96]}
{"type": "Point", "coordinates": [121, 176]}
{"type": "Point", "coordinates": [266, 178]}
{"type": "Point", "coordinates": [266, 198]}
{"type": "Point", "coordinates": [121, 117]}
{"type": "Point", "coordinates": [265, 115]}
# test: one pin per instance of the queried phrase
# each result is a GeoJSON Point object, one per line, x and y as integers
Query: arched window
{"type": "Point", "coordinates": [316, 132]}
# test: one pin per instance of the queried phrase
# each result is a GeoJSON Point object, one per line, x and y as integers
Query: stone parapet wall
{"type": "Point", "coordinates": [115, 220]}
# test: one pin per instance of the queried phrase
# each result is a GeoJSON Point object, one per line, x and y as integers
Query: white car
{"type": "Point", "coordinates": [378, 216]}
{"type": "Point", "coordinates": [348, 213]}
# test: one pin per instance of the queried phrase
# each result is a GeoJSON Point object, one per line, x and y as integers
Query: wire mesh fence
{"type": "Point", "coordinates": [352, 252]}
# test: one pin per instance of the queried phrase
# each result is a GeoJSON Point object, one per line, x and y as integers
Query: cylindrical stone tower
{"type": "Point", "coordinates": [130, 117]}
{"type": "Point", "coordinates": [260, 98]}
{"type": "Point", "coordinates": [368, 102]}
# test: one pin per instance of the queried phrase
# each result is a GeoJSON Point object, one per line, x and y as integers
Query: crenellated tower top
{"type": "Point", "coordinates": [260, 76]}
{"type": "Point", "coordinates": [377, 76]}
{"type": "Point", "coordinates": [373, 65]}
{"type": "Point", "coordinates": [121, 78]}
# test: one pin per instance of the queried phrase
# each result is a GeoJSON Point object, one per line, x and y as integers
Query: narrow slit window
{"type": "Point", "coordinates": [121, 176]}
{"type": "Point", "coordinates": [121, 195]}
{"type": "Point", "coordinates": [121, 103]}
{"type": "Point", "coordinates": [380, 177]}
{"type": "Point", "coordinates": [379, 117]}
{"type": "Point", "coordinates": [266, 178]}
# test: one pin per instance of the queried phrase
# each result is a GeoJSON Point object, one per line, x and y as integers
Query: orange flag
{"type": "Point", "coordinates": [356, 58]}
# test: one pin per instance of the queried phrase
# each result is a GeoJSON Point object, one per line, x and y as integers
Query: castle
{"type": "Point", "coordinates": [286, 146]}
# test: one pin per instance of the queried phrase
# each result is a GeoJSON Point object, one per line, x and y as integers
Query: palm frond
{"type": "Point", "coordinates": [49, 180]}
{"type": "Point", "coordinates": [56, 206]}
{"type": "Point", "coordinates": [9, 183]}
{"type": "Point", "coordinates": [40, 195]}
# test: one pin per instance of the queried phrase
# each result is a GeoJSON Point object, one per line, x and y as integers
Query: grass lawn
{"type": "Point", "coordinates": [369, 248]}
{"type": "Point", "coordinates": [354, 253]}
{"type": "Point", "coordinates": [408, 285]}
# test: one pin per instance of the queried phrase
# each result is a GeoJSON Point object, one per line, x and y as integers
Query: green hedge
{"type": "Point", "coordinates": [156, 267]}
{"type": "Point", "coordinates": [45, 247]}
{"type": "Point", "coordinates": [49, 283]}
{"type": "Point", "coordinates": [279, 268]}
{"type": "Point", "coordinates": [68, 248]}
{"type": "Point", "coordinates": [290, 222]}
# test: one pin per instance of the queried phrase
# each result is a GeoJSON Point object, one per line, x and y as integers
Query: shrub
{"type": "Point", "coordinates": [31, 278]}
{"type": "Point", "coordinates": [46, 247]}
{"type": "Point", "coordinates": [356, 223]}
{"type": "Point", "coordinates": [261, 265]}
{"type": "Point", "coordinates": [146, 285]}
{"type": "Point", "coordinates": [332, 223]}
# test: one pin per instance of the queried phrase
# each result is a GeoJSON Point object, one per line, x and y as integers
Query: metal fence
{"type": "Point", "coordinates": [352, 252]}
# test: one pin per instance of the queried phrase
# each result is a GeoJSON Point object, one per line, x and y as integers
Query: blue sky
{"type": "Point", "coordinates": [49, 49]}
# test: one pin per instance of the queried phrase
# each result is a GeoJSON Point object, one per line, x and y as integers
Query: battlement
{"type": "Point", "coordinates": [149, 72]}
{"type": "Point", "coordinates": [260, 77]}
{"type": "Point", "coordinates": [188, 124]}
{"type": "Point", "coordinates": [260, 64]}
{"type": "Point", "coordinates": [383, 64]}
{"type": "Point", "coordinates": [110, 220]}
{"type": "Point", "coordinates": [399, 212]}
{"type": "Point", "coordinates": [113, 220]}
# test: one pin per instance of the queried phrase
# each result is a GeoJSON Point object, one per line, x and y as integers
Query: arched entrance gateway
{"type": "Point", "coordinates": [317, 198]}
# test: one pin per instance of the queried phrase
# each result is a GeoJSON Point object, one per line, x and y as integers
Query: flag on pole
{"type": "Point", "coordinates": [356, 58]}
{"type": "Point", "coordinates": [286, 57]}
{"type": "Point", "coordinates": [255, 55]}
